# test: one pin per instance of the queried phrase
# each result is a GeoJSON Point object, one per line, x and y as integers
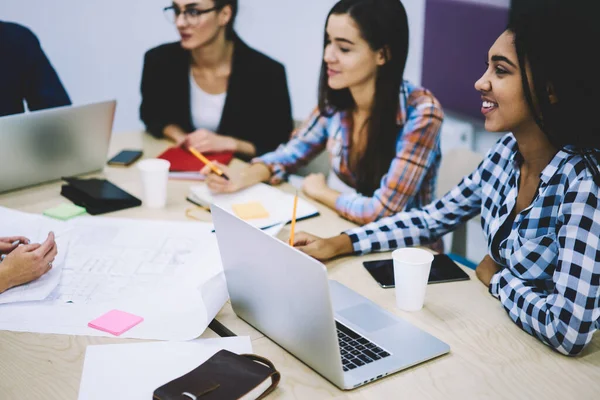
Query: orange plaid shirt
{"type": "Point", "coordinates": [411, 178]}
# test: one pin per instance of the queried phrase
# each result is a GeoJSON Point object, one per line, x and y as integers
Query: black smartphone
{"type": "Point", "coordinates": [125, 157]}
{"type": "Point", "coordinates": [443, 269]}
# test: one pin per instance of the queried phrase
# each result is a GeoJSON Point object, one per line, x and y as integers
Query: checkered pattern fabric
{"type": "Point", "coordinates": [411, 178]}
{"type": "Point", "coordinates": [550, 283]}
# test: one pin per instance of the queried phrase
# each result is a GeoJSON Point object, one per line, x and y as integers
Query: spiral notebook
{"type": "Point", "coordinates": [277, 204]}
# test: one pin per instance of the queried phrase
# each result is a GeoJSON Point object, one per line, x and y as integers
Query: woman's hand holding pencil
{"type": "Point", "coordinates": [238, 179]}
{"type": "Point", "coordinates": [228, 181]}
{"type": "Point", "coordinates": [208, 163]}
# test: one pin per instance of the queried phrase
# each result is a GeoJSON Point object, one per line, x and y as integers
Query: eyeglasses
{"type": "Point", "coordinates": [190, 15]}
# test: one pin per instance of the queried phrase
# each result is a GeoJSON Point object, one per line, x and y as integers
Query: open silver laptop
{"type": "Point", "coordinates": [286, 295]}
{"type": "Point", "coordinates": [43, 146]}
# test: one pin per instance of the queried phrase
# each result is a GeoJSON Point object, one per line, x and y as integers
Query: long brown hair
{"type": "Point", "coordinates": [384, 25]}
{"type": "Point", "coordinates": [555, 39]}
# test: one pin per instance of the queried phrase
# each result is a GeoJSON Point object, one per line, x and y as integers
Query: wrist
{"type": "Point", "coordinates": [257, 172]}
{"type": "Point", "coordinates": [342, 245]}
{"type": "Point", "coordinates": [327, 196]}
{"type": "Point", "coordinates": [231, 144]}
{"type": "Point", "coordinates": [485, 276]}
{"type": "Point", "coordinates": [174, 133]}
{"type": "Point", "coordinates": [5, 282]}
{"type": "Point", "coordinates": [319, 194]}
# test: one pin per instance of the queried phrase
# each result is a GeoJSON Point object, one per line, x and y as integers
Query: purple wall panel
{"type": "Point", "coordinates": [458, 36]}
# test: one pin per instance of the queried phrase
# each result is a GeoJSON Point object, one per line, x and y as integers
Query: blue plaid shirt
{"type": "Point", "coordinates": [550, 280]}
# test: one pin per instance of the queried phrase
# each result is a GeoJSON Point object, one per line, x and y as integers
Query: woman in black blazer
{"type": "Point", "coordinates": [211, 91]}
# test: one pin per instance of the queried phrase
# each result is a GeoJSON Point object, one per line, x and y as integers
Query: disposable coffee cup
{"type": "Point", "coordinates": [154, 173]}
{"type": "Point", "coordinates": [411, 273]}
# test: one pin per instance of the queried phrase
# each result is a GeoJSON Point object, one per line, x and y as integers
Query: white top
{"type": "Point", "coordinates": [206, 108]}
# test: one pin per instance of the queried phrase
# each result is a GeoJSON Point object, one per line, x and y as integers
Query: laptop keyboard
{"type": "Point", "coordinates": [356, 350]}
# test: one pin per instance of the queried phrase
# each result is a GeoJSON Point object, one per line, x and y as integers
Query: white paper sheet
{"type": "Point", "coordinates": [155, 269]}
{"type": "Point", "coordinates": [278, 204]}
{"type": "Point", "coordinates": [109, 257]}
{"type": "Point", "coordinates": [274, 230]}
{"type": "Point", "coordinates": [134, 371]}
{"type": "Point", "coordinates": [187, 175]}
{"type": "Point", "coordinates": [36, 229]}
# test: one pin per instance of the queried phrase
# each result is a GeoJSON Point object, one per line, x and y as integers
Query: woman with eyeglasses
{"type": "Point", "coordinates": [381, 132]}
{"type": "Point", "coordinates": [210, 91]}
{"type": "Point", "coordinates": [538, 188]}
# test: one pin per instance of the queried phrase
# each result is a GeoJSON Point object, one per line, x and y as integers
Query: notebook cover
{"type": "Point", "coordinates": [182, 160]}
{"type": "Point", "coordinates": [98, 196]}
{"type": "Point", "coordinates": [99, 190]}
{"type": "Point", "coordinates": [224, 376]}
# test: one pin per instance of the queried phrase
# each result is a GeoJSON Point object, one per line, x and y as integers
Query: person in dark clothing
{"type": "Point", "coordinates": [26, 74]}
{"type": "Point", "coordinates": [211, 91]}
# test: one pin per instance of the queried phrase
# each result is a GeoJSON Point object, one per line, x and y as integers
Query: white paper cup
{"type": "Point", "coordinates": [411, 272]}
{"type": "Point", "coordinates": [155, 174]}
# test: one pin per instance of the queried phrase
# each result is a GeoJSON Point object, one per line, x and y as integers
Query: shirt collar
{"type": "Point", "coordinates": [555, 164]}
{"type": "Point", "coordinates": [516, 159]}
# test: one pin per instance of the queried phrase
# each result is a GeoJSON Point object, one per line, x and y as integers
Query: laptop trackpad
{"type": "Point", "coordinates": [367, 316]}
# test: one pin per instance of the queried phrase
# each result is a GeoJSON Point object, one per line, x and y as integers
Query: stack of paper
{"type": "Point", "coordinates": [134, 371]}
{"type": "Point", "coordinates": [278, 205]}
{"type": "Point", "coordinates": [167, 272]}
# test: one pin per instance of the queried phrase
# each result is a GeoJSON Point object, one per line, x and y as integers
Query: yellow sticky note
{"type": "Point", "coordinates": [252, 210]}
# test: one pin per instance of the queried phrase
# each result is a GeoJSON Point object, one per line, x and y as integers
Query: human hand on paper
{"type": "Point", "coordinates": [323, 249]}
{"type": "Point", "coordinates": [314, 185]}
{"type": "Point", "coordinates": [206, 141]}
{"type": "Point", "coordinates": [27, 263]}
{"type": "Point", "coordinates": [219, 184]}
{"type": "Point", "coordinates": [6, 243]}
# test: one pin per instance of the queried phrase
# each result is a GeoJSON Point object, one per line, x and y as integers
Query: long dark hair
{"type": "Point", "coordinates": [557, 39]}
{"type": "Point", "coordinates": [229, 33]}
{"type": "Point", "coordinates": [384, 25]}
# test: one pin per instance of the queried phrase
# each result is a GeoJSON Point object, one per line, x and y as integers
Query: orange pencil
{"type": "Point", "coordinates": [206, 161]}
{"type": "Point", "coordinates": [294, 220]}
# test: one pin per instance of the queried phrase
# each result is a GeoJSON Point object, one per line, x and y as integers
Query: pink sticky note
{"type": "Point", "coordinates": [115, 322]}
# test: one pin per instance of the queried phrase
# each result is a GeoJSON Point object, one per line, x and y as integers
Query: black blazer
{"type": "Point", "coordinates": [257, 107]}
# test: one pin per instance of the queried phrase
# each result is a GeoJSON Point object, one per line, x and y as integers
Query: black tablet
{"type": "Point", "coordinates": [443, 269]}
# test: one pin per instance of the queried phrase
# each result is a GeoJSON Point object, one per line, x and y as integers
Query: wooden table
{"type": "Point", "coordinates": [490, 358]}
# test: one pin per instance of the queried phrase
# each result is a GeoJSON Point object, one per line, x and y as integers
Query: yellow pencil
{"type": "Point", "coordinates": [206, 161]}
{"type": "Point", "coordinates": [294, 220]}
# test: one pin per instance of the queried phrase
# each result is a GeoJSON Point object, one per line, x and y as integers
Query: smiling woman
{"type": "Point", "coordinates": [381, 132]}
{"type": "Point", "coordinates": [210, 91]}
{"type": "Point", "coordinates": [537, 190]}
{"type": "Point", "coordinates": [503, 100]}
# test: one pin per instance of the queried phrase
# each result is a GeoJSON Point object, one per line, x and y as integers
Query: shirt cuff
{"type": "Point", "coordinates": [494, 287]}
{"type": "Point", "coordinates": [361, 244]}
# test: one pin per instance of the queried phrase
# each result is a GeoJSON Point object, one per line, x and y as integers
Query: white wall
{"type": "Point", "coordinates": [97, 47]}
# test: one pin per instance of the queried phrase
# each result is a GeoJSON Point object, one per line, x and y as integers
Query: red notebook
{"type": "Point", "coordinates": [183, 161]}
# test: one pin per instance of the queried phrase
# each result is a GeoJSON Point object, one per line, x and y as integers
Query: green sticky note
{"type": "Point", "coordinates": [64, 211]}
